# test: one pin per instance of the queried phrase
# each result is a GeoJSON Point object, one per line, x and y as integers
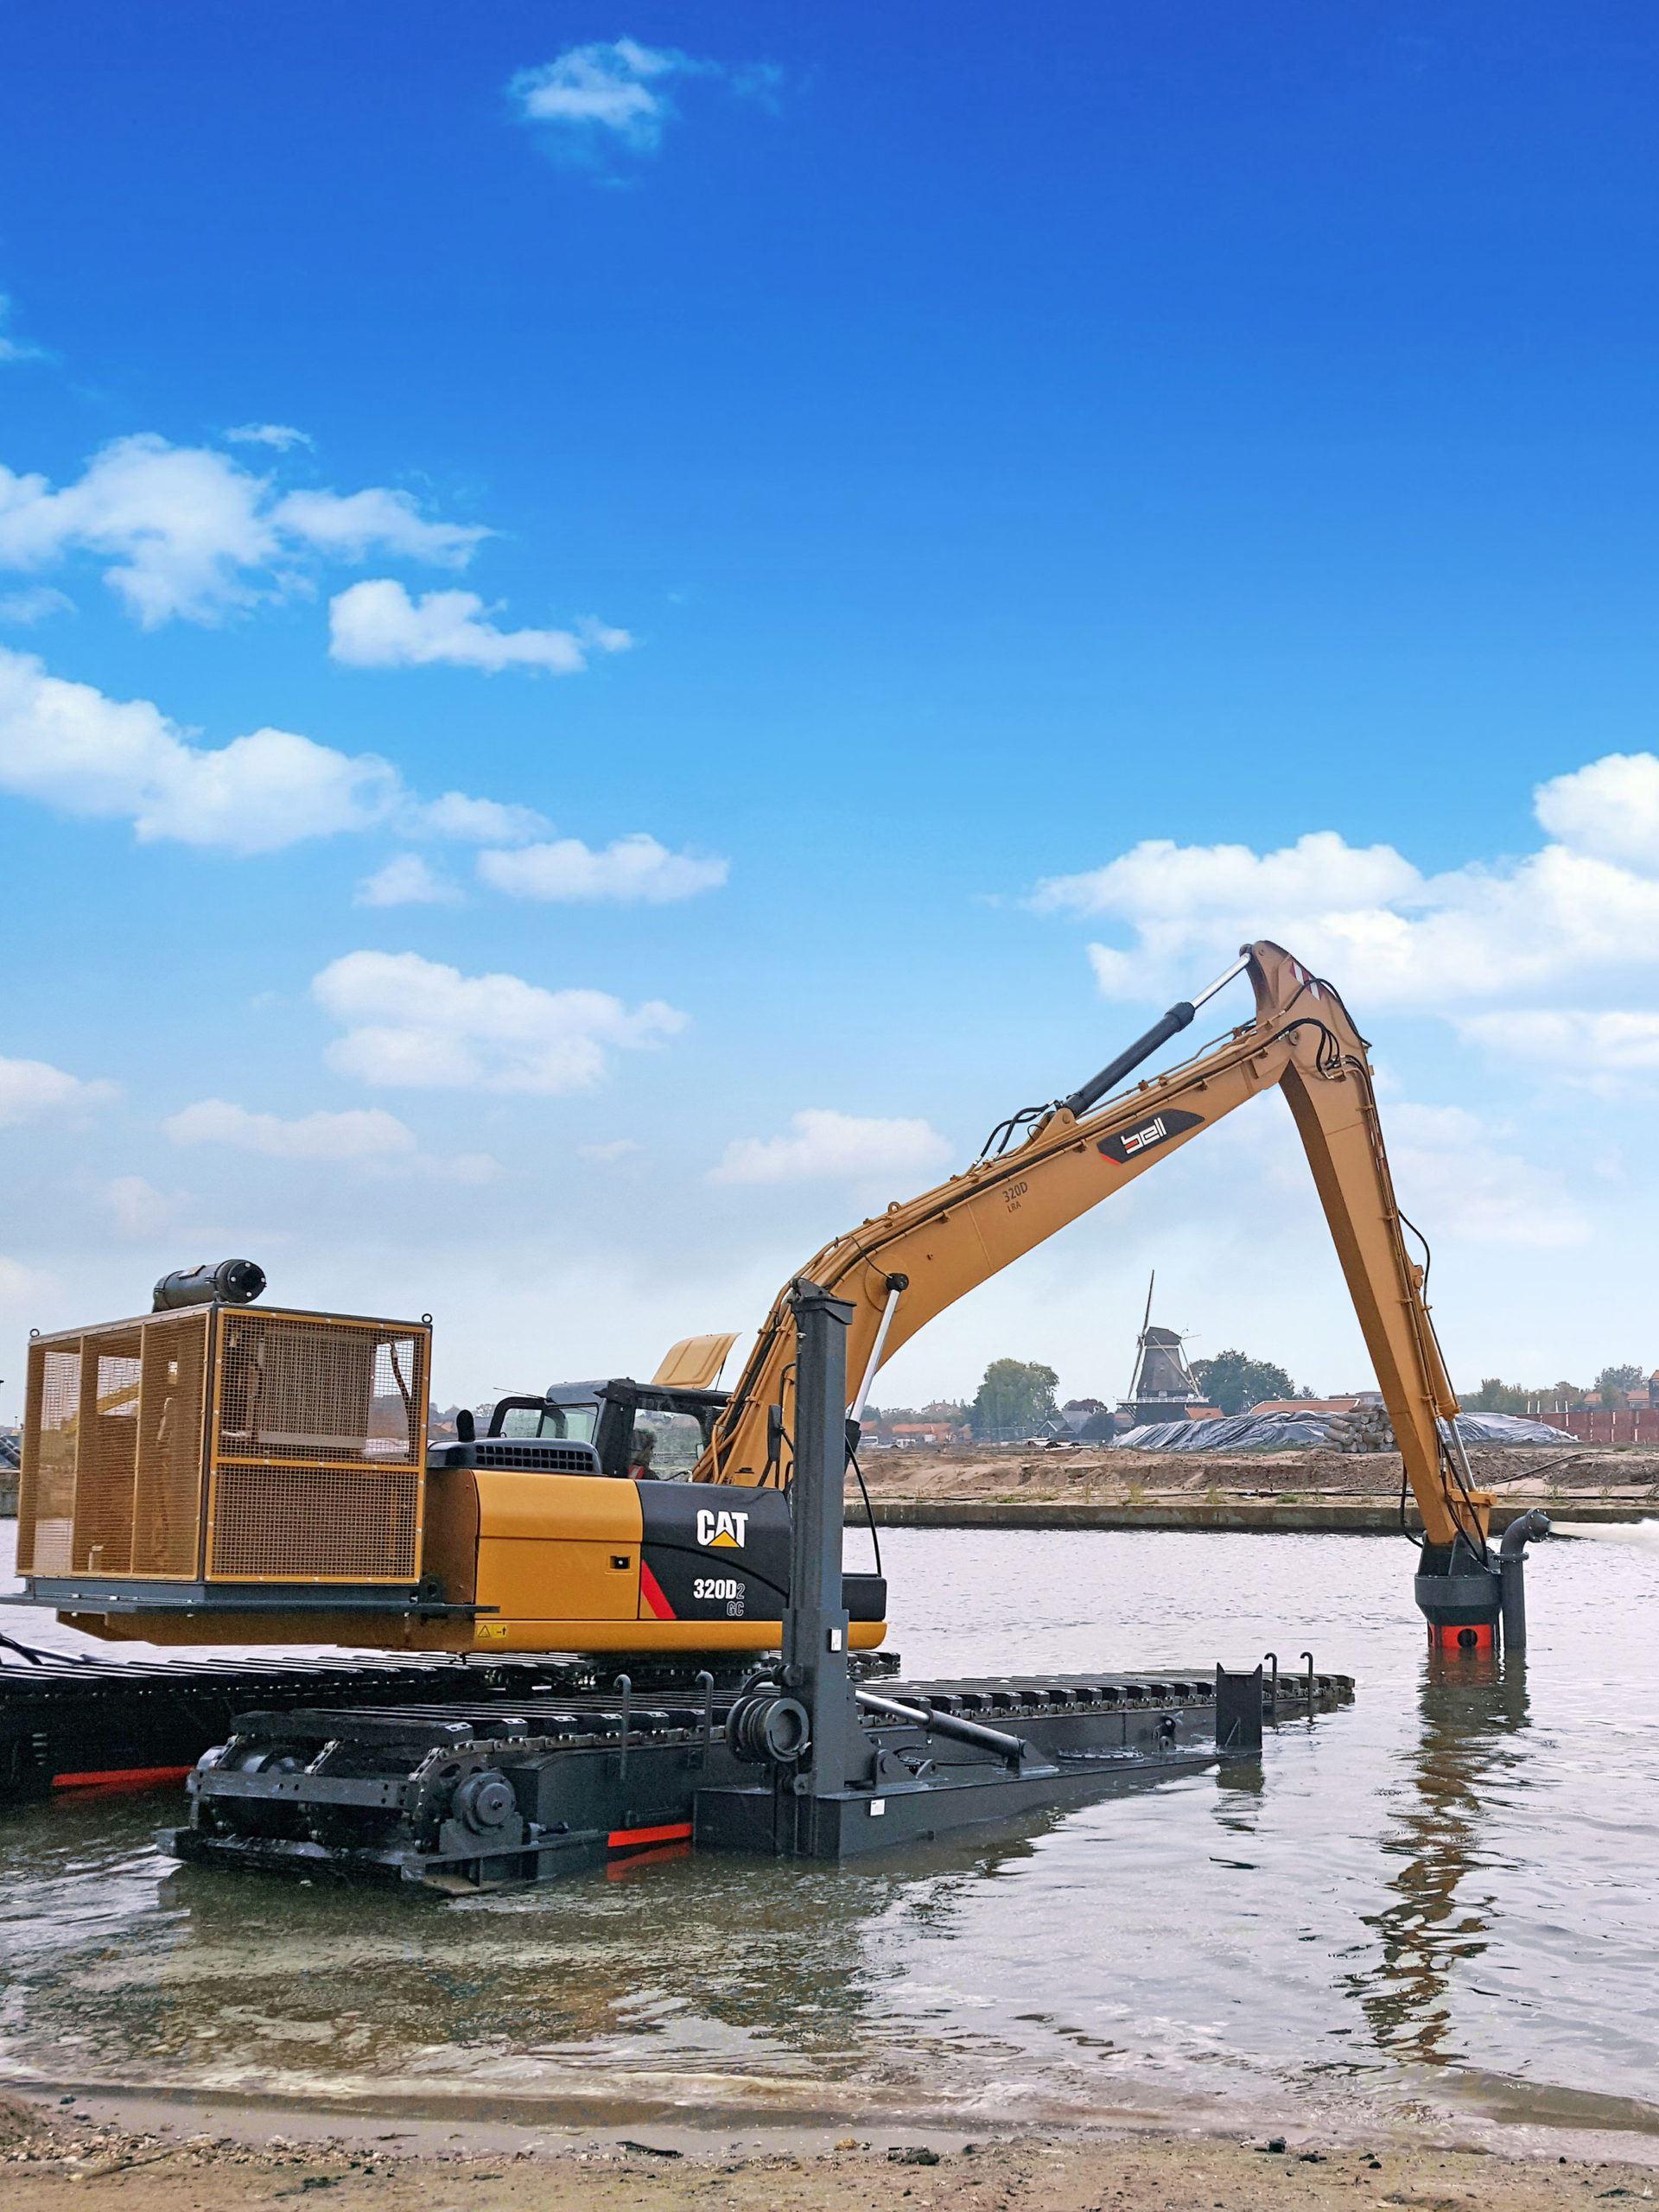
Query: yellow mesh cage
{"type": "Point", "coordinates": [229, 1443]}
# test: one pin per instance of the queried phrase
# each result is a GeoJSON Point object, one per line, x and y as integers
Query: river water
{"type": "Point", "coordinates": [1442, 1903]}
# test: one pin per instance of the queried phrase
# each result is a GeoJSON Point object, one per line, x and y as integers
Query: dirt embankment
{"type": "Point", "coordinates": [51, 2164]}
{"type": "Point", "coordinates": [1626, 1474]}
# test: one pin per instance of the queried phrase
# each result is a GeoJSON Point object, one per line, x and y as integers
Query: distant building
{"type": "Point", "coordinates": [920, 1436]}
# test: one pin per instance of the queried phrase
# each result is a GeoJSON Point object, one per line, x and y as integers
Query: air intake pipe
{"type": "Point", "coordinates": [232, 1282]}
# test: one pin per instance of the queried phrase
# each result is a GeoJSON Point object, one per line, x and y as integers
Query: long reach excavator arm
{"type": "Point", "coordinates": [901, 1269]}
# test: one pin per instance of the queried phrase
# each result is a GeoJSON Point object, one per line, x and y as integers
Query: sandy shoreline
{"type": "Point", "coordinates": [53, 2155]}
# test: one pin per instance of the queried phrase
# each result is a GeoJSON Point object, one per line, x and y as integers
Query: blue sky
{"type": "Point", "coordinates": [881, 503]}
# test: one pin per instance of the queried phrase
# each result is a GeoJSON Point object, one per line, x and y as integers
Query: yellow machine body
{"type": "Point", "coordinates": [519, 1561]}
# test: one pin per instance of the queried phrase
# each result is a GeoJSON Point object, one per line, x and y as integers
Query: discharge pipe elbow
{"type": "Point", "coordinates": [1525, 1529]}
{"type": "Point", "coordinates": [232, 1282]}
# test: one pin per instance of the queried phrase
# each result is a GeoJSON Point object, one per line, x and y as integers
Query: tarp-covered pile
{"type": "Point", "coordinates": [1285, 1432]}
{"type": "Point", "coordinates": [1232, 1433]}
{"type": "Point", "coordinates": [1509, 1428]}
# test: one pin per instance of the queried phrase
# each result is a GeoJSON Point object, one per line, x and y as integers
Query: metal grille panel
{"type": "Point", "coordinates": [529, 1455]}
{"type": "Point", "coordinates": [172, 1426]}
{"type": "Point", "coordinates": [323, 1523]}
{"type": "Point", "coordinates": [107, 1455]}
{"type": "Point", "coordinates": [304, 1386]}
{"type": "Point", "coordinates": [46, 1503]}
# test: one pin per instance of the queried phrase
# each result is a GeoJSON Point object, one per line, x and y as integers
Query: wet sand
{"type": "Point", "coordinates": [52, 2158]}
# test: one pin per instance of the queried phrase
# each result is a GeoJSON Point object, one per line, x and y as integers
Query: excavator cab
{"type": "Point", "coordinates": [642, 1432]}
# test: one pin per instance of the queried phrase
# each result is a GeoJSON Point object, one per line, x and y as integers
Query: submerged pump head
{"type": "Point", "coordinates": [232, 1282]}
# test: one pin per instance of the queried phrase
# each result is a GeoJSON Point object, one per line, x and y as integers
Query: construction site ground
{"type": "Point", "coordinates": [1622, 1476]}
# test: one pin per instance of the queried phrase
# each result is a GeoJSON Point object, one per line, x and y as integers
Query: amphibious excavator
{"type": "Point", "coordinates": [217, 1471]}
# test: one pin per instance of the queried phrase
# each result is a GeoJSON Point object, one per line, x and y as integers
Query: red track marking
{"type": "Point", "coordinates": [125, 1778]}
{"type": "Point", "coordinates": [674, 1832]}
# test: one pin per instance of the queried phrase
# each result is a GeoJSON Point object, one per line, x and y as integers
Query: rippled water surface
{"type": "Point", "coordinates": [1445, 1897]}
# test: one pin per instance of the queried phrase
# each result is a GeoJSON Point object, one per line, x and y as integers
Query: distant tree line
{"type": "Point", "coordinates": [1611, 1388]}
{"type": "Point", "coordinates": [949, 1413]}
{"type": "Point", "coordinates": [1017, 1396]}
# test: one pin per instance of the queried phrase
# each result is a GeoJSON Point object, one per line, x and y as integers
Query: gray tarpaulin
{"type": "Point", "coordinates": [1283, 1432]}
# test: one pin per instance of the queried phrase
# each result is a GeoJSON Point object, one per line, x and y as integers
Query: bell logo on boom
{"type": "Point", "coordinates": [1171, 1122]}
{"type": "Point", "coordinates": [718, 1531]}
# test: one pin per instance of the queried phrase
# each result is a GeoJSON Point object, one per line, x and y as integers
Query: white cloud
{"type": "Point", "coordinates": [611, 96]}
{"type": "Point", "coordinates": [185, 525]}
{"type": "Point", "coordinates": [30, 1090]}
{"type": "Point", "coordinates": [15, 349]}
{"type": "Point", "coordinates": [405, 881]}
{"type": "Point", "coordinates": [1454, 1175]}
{"type": "Point", "coordinates": [478, 820]}
{"type": "Point", "coordinates": [282, 437]}
{"type": "Point", "coordinates": [822, 1144]}
{"type": "Point", "coordinates": [608, 1155]}
{"type": "Point", "coordinates": [1610, 807]}
{"type": "Point", "coordinates": [634, 870]}
{"type": "Point", "coordinates": [610, 90]}
{"type": "Point", "coordinates": [353, 524]}
{"type": "Point", "coordinates": [363, 1132]}
{"type": "Point", "coordinates": [70, 746]}
{"type": "Point", "coordinates": [189, 532]}
{"type": "Point", "coordinates": [376, 625]}
{"type": "Point", "coordinates": [1159, 879]}
{"type": "Point", "coordinates": [1587, 904]}
{"type": "Point", "coordinates": [137, 1208]}
{"type": "Point", "coordinates": [416, 1024]}
{"type": "Point", "coordinates": [602, 637]}
{"type": "Point", "coordinates": [360, 1136]}
{"type": "Point", "coordinates": [35, 604]}
{"type": "Point", "coordinates": [1573, 1041]}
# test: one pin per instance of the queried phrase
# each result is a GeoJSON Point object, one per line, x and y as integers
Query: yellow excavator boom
{"type": "Point", "coordinates": [904, 1267]}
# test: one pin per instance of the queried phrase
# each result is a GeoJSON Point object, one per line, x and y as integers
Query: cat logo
{"type": "Point", "coordinates": [720, 1530]}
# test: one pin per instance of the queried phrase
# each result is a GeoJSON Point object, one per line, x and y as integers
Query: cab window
{"type": "Point", "coordinates": [666, 1446]}
{"type": "Point", "coordinates": [577, 1423]}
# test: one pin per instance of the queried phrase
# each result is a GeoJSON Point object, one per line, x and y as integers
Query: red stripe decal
{"type": "Point", "coordinates": [674, 1832]}
{"type": "Point", "coordinates": [651, 1591]}
{"type": "Point", "coordinates": [129, 1776]}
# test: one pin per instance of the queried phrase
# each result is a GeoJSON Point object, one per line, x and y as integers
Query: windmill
{"type": "Point", "coordinates": [1163, 1386]}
